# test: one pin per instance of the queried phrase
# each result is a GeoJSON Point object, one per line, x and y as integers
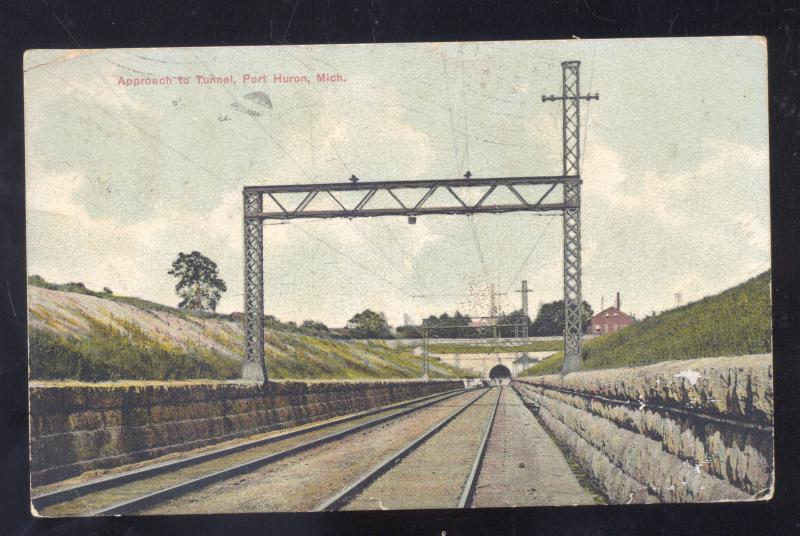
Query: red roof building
{"type": "Point", "coordinates": [610, 320]}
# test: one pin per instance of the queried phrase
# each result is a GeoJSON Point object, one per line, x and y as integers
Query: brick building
{"type": "Point", "coordinates": [610, 320]}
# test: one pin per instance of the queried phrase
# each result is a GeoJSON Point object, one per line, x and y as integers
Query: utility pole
{"type": "Point", "coordinates": [494, 310]}
{"type": "Point", "coordinates": [524, 291]}
{"type": "Point", "coordinates": [426, 354]}
{"type": "Point", "coordinates": [571, 152]}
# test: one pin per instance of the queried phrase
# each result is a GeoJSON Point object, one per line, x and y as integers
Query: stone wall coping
{"type": "Point", "coordinates": [126, 384]}
{"type": "Point", "coordinates": [752, 360]}
{"type": "Point", "coordinates": [734, 385]}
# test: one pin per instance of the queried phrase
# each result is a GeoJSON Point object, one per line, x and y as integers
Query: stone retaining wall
{"type": "Point", "coordinates": [680, 431]}
{"type": "Point", "coordinates": [76, 428]}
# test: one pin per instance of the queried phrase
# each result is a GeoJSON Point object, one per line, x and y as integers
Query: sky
{"type": "Point", "coordinates": [675, 196]}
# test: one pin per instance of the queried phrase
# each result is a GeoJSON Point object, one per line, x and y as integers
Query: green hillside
{"type": "Point", "coordinates": [738, 321]}
{"type": "Point", "coordinates": [77, 334]}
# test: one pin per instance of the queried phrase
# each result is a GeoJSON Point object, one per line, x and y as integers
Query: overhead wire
{"type": "Point", "coordinates": [161, 141]}
{"type": "Point", "coordinates": [588, 108]}
{"type": "Point", "coordinates": [353, 260]}
{"type": "Point", "coordinates": [473, 231]}
{"type": "Point", "coordinates": [348, 170]}
{"type": "Point", "coordinates": [257, 122]}
{"type": "Point", "coordinates": [528, 256]}
{"type": "Point", "coordinates": [464, 157]}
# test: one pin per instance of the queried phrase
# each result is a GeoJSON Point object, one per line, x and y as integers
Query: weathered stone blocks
{"type": "Point", "coordinates": [742, 456]}
{"type": "Point", "coordinates": [697, 430]}
{"type": "Point", "coordinates": [736, 387]}
{"type": "Point", "coordinates": [75, 428]}
{"type": "Point", "coordinates": [665, 475]}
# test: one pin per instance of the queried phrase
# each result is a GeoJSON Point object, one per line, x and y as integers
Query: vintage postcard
{"type": "Point", "coordinates": [398, 276]}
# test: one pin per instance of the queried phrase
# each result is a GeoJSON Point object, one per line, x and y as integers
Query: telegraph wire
{"type": "Point", "coordinates": [353, 260]}
{"type": "Point", "coordinates": [257, 122]}
{"type": "Point", "coordinates": [588, 108]}
{"type": "Point", "coordinates": [528, 256]}
{"type": "Point", "coordinates": [473, 232]}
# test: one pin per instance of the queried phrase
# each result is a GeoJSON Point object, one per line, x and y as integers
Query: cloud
{"type": "Point", "coordinates": [343, 140]}
{"type": "Point", "coordinates": [67, 244]}
{"type": "Point", "coordinates": [55, 193]}
{"type": "Point", "coordinates": [667, 197]}
{"type": "Point", "coordinates": [755, 233]}
{"type": "Point", "coordinates": [653, 233]}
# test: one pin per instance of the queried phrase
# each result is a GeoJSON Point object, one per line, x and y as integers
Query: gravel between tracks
{"type": "Point", "coordinates": [522, 466]}
{"type": "Point", "coordinates": [433, 475]}
{"type": "Point", "coordinates": [301, 481]}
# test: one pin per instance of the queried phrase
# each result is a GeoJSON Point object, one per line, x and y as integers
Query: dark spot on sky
{"type": "Point", "coordinates": [260, 98]}
{"type": "Point", "coordinates": [247, 111]}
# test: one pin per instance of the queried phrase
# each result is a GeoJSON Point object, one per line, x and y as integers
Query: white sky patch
{"type": "Point", "coordinates": [754, 231]}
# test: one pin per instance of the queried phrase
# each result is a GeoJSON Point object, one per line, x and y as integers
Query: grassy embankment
{"type": "Point", "coordinates": [737, 321]}
{"type": "Point", "coordinates": [77, 334]}
{"type": "Point", "coordinates": [532, 346]}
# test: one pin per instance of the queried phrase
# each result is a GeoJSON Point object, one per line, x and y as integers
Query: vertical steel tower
{"type": "Point", "coordinates": [571, 125]}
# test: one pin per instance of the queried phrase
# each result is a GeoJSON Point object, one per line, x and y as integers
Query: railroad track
{"type": "Point", "coordinates": [355, 488]}
{"type": "Point", "coordinates": [136, 490]}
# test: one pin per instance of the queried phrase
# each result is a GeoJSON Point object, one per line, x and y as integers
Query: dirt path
{"type": "Point", "coordinates": [522, 466]}
{"type": "Point", "coordinates": [302, 481]}
{"type": "Point", "coordinates": [434, 475]}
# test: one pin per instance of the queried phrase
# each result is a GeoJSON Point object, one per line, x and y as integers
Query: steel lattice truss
{"type": "Point", "coordinates": [427, 197]}
{"type": "Point", "coordinates": [412, 198]}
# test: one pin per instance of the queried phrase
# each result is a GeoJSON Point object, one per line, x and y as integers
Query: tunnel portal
{"type": "Point", "coordinates": [499, 372]}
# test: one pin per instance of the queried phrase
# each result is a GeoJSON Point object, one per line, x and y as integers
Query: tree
{"type": "Point", "coordinates": [550, 320]}
{"type": "Point", "coordinates": [512, 324]}
{"type": "Point", "coordinates": [445, 326]}
{"type": "Point", "coordinates": [369, 325]}
{"type": "Point", "coordinates": [198, 281]}
{"type": "Point", "coordinates": [314, 325]}
{"type": "Point", "coordinates": [408, 330]}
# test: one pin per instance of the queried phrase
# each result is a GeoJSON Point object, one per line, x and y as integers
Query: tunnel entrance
{"type": "Point", "coordinates": [499, 372]}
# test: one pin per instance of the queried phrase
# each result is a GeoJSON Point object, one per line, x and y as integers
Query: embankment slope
{"type": "Point", "coordinates": [90, 337]}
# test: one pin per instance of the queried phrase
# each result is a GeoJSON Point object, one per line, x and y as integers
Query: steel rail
{"type": "Point", "coordinates": [63, 495]}
{"type": "Point", "coordinates": [157, 497]}
{"type": "Point", "coordinates": [342, 498]}
{"type": "Point", "coordinates": [472, 479]}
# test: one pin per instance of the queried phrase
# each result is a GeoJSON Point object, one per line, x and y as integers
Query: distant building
{"type": "Point", "coordinates": [610, 320]}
